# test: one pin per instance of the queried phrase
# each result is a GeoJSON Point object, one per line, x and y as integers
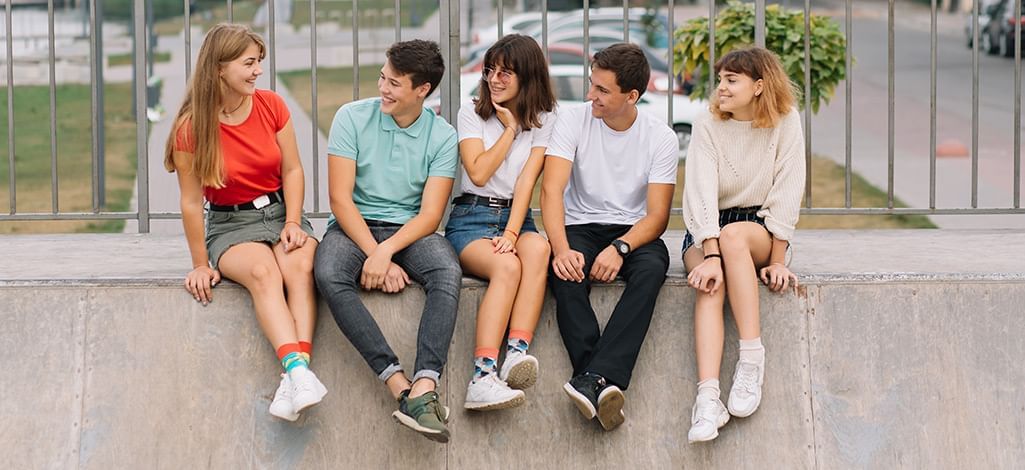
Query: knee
{"type": "Point", "coordinates": [265, 275]}
{"type": "Point", "coordinates": [298, 270]}
{"type": "Point", "coordinates": [732, 240]}
{"type": "Point", "coordinates": [507, 269]}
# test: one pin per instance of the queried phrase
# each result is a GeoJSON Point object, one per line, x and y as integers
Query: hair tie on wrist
{"type": "Point", "coordinates": [714, 255]}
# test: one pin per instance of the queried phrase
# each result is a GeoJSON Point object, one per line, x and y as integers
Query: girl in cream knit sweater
{"type": "Point", "coordinates": [742, 195]}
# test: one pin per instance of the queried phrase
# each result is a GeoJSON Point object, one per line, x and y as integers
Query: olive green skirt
{"type": "Point", "coordinates": [227, 229]}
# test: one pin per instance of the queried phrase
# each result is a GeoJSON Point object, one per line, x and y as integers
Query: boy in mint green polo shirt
{"type": "Point", "coordinates": [391, 167]}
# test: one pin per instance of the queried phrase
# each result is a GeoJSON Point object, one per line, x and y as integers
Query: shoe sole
{"type": "Point", "coordinates": [610, 408]}
{"type": "Point", "coordinates": [582, 403]}
{"type": "Point", "coordinates": [501, 405]}
{"type": "Point", "coordinates": [744, 415]}
{"type": "Point", "coordinates": [725, 419]}
{"type": "Point", "coordinates": [289, 418]}
{"type": "Point", "coordinates": [299, 408]}
{"type": "Point", "coordinates": [523, 375]}
{"type": "Point", "coordinates": [409, 422]}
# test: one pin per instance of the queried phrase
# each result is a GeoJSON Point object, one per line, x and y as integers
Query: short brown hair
{"type": "Point", "coordinates": [628, 63]}
{"type": "Point", "coordinates": [419, 59]}
{"type": "Point", "coordinates": [521, 55]}
{"type": "Point", "coordinates": [778, 92]}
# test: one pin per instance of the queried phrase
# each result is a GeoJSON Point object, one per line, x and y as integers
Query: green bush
{"type": "Point", "coordinates": [784, 35]}
{"type": "Point", "coordinates": [122, 9]}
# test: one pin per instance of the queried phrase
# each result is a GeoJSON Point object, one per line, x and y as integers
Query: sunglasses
{"type": "Point", "coordinates": [503, 75]}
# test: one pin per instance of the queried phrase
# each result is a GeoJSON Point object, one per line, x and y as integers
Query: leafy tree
{"type": "Point", "coordinates": [784, 35]}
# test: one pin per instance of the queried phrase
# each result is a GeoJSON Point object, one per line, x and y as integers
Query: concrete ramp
{"type": "Point", "coordinates": [112, 365]}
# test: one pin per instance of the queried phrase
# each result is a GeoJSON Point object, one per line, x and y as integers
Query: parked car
{"type": "Point", "coordinates": [651, 30]}
{"type": "Point", "coordinates": [516, 23]}
{"type": "Point", "coordinates": [568, 83]}
{"type": "Point", "coordinates": [996, 27]}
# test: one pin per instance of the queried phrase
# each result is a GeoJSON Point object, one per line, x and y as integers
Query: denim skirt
{"type": "Point", "coordinates": [227, 229]}
{"type": "Point", "coordinates": [726, 217]}
{"type": "Point", "coordinates": [469, 222]}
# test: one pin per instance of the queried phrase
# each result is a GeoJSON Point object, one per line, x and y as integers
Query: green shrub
{"type": "Point", "coordinates": [784, 35]}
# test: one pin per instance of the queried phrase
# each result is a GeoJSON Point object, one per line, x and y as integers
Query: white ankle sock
{"type": "Point", "coordinates": [752, 350]}
{"type": "Point", "coordinates": [709, 387]}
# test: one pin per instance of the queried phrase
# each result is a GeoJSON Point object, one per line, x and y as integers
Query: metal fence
{"type": "Point", "coordinates": [451, 35]}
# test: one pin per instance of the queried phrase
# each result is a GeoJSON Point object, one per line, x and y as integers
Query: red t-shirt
{"type": "Point", "coordinates": [252, 158]}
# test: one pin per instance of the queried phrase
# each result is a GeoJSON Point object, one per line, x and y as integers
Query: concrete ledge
{"type": "Point", "coordinates": [891, 367]}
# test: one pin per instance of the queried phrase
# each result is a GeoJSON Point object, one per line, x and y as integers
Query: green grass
{"type": "Point", "coordinates": [126, 58]}
{"type": "Point", "coordinates": [334, 87]}
{"type": "Point", "coordinates": [373, 13]}
{"type": "Point", "coordinates": [242, 11]}
{"type": "Point", "coordinates": [74, 156]}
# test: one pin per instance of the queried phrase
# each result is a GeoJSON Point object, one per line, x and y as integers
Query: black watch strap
{"type": "Point", "coordinates": [622, 247]}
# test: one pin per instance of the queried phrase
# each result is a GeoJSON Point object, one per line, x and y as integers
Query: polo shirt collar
{"type": "Point", "coordinates": [388, 124]}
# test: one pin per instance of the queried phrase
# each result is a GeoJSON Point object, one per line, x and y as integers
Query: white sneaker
{"type": "Point", "coordinates": [306, 389]}
{"type": "Point", "coordinates": [707, 416]}
{"type": "Point", "coordinates": [281, 406]}
{"type": "Point", "coordinates": [746, 392]}
{"type": "Point", "coordinates": [519, 370]}
{"type": "Point", "coordinates": [491, 393]}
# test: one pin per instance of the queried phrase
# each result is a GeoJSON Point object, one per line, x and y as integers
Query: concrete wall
{"type": "Point", "coordinates": [898, 374]}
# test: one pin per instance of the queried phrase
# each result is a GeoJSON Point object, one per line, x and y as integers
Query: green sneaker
{"type": "Point", "coordinates": [424, 415]}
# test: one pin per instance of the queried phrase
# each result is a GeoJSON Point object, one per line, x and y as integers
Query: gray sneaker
{"type": "Point", "coordinates": [423, 414]}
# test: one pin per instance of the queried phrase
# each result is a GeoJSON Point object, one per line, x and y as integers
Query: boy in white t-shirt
{"type": "Point", "coordinates": [608, 184]}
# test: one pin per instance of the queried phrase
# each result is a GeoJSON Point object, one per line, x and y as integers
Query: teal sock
{"type": "Point", "coordinates": [293, 360]}
{"type": "Point", "coordinates": [516, 345]}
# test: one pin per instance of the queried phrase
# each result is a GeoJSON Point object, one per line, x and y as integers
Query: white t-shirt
{"type": "Point", "coordinates": [502, 183]}
{"type": "Point", "coordinates": [612, 169]}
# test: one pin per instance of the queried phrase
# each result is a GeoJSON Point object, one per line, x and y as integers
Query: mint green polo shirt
{"type": "Point", "coordinates": [392, 163]}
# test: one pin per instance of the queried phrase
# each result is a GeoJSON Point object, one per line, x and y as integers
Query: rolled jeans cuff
{"type": "Point", "coordinates": [434, 375]}
{"type": "Point", "coordinates": [389, 371]}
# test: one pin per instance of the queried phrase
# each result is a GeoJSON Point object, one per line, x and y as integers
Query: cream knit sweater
{"type": "Point", "coordinates": [731, 164]}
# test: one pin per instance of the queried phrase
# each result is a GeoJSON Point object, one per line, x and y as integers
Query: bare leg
{"type": "Point", "coordinates": [297, 272]}
{"type": "Point", "coordinates": [502, 271]}
{"type": "Point", "coordinates": [745, 246]}
{"type": "Point", "coordinates": [253, 265]}
{"type": "Point", "coordinates": [533, 251]}
{"type": "Point", "coordinates": [708, 322]}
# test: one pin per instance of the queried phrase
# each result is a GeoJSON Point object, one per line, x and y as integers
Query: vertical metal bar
{"type": "Point", "coordinates": [976, 8]}
{"type": "Point", "coordinates": [672, 63]}
{"type": "Point", "coordinates": [932, 105]}
{"type": "Point", "coordinates": [96, 102]}
{"type": "Point", "coordinates": [271, 55]}
{"type": "Point", "coordinates": [711, 48]}
{"type": "Point", "coordinates": [453, 47]}
{"type": "Point", "coordinates": [142, 153]}
{"type": "Point", "coordinates": [10, 109]}
{"type": "Point", "coordinates": [626, 22]}
{"type": "Point", "coordinates": [848, 102]}
{"type": "Point", "coordinates": [807, 103]}
{"type": "Point", "coordinates": [231, 16]}
{"type": "Point", "coordinates": [544, 29]}
{"type": "Point", "coordinates": [760, 23]}
{"type": "Point", "coordinates": [398, 20]}
{"type": "Point", "coordinates": [891, 58]}
{"type": "Point", "coordinates": [54, 180]}
{"type": "Point", "coordinates": [355, 50]}
{"type": "Point", "coordinates": [501, 18]}
{"type": "Point", "coordinates": [1017, 104]}
{"type": "Point", "coordinates": [587, 47]}
{"type": "Point", "coordinates": [313, 103]}
{"type": "Point", "coordinates": [188, 40]}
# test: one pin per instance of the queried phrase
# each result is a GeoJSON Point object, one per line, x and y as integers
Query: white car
{"type": "Point", "coordinates": [515, 23]}
{"type": "Point", "coordinates": [568, 82]}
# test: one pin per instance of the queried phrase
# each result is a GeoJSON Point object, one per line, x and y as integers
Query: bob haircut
{"type": "Point", "coordinates": [778, 92]}
{"type": "Point", "coordinates": [521, 55]}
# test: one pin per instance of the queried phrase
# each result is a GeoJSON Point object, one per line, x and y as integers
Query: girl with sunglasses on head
{"type": "Point", "coordinates": [742, 195]}
{"type": "Point", "coordinates": [502, 143]}
{"type": "Point", "coordinates": [234, 146]}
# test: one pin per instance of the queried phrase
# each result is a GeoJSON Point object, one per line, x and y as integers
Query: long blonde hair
{"type": "Point", "coordinates": [778, 92]}
{"type": "Point", "coordinates": [223, 44]}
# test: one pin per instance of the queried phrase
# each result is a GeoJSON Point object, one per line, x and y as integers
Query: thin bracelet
{"type": "Point", "coordinates": [514, 234]}
{"type": "Point", "coordinates": [714, 255]}
{"type": "Point", "coordinates": [297, 224]}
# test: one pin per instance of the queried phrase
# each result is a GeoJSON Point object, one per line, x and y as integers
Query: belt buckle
{"type": "Point", "coordinates": [261, 202]}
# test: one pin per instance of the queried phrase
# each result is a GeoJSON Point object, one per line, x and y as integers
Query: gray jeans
{"type": "Point", "coordinates": [430, 261]}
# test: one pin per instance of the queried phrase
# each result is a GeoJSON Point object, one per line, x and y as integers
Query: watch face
{"type": "Point", "coordinates": [623, 249]}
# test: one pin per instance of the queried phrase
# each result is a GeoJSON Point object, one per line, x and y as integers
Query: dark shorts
{"type": "Point", "coordinates": [227, 229]}
{"type": "Point", "coordinates": [470, 222]}
{"type": "Point", "coordinates": [726, 217]}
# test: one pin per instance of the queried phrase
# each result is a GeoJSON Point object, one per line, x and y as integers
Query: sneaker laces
{"type": "Point", "coordinates": [746, 378]}
{"type": "Point", "coordinates": [706, 408]}
{"type": "Point", "coordinates": [305, 384]}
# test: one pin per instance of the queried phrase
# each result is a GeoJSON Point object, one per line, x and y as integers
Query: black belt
{"type": "Point", "coordinates": [258, 203]}
{"type": "Point", "coordinates": [474, 199]}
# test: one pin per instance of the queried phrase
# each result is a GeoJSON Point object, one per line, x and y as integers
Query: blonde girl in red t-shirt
{"type": "Point", "coordinates": [235, 146]}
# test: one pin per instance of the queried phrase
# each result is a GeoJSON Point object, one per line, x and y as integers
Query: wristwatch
{"type": "Point", "coordinates": [622, 247]}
